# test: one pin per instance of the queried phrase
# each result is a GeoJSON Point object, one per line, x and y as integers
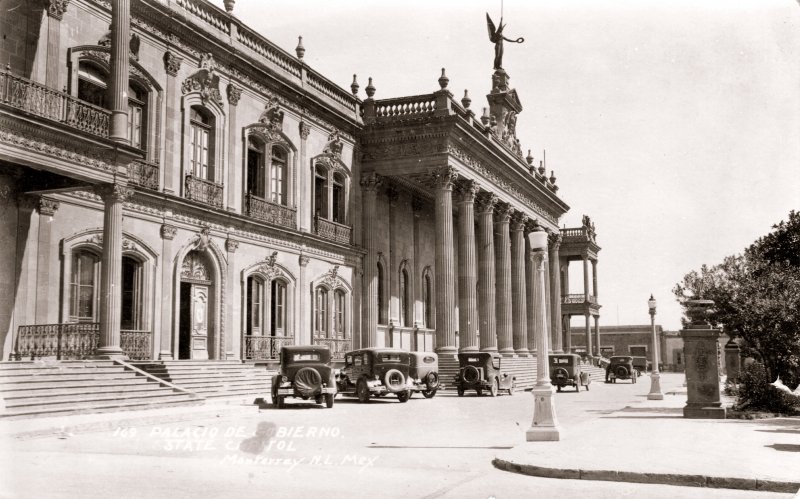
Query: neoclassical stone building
{"type": "Point", "coordinates": [175, 186]}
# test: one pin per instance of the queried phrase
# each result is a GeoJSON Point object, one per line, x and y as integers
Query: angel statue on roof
{"type": "Point", "coordinates": [496, 37]}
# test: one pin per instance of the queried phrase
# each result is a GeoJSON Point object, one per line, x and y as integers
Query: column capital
{"type": "Point", "coordinates": [47, 206]}
{"type": "Point", "coordinates": [444, 177]}
{"type": "Point", "coordinates": [531, 225]}
{"type": "Point", "coordinates": [518, 220]}
{"type": "Point", "coordinates": [168, 231]}
{"type": "Point", "coordinates": [56, 8]}
{"type": "Point", "coordinates": [503, 211]}
{"type": "Point", "coordinates": [172, 63]}
{"type": "Point", "coordinates": [234, 94]}
{"type": "Point", "coordinates": [467, 189]}
{"type": "Point", "coordinates": [371, 181]}
{"type": "Point", "coordinates": [113, 192]}
{"type": "Point", "coordinates": [486, 202]}
{"type": "Point", "coordinates": [585, 254]}
{"type": "Point", "coordinates": [305, 130]}
{"type": "Point", "coordinates": [231, 245]}
{"type": "Point", "coordinates": [554, 241]}
{"type": "Point", "coordinates": [303, 260]}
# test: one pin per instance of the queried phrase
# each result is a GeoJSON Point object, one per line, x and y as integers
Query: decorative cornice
{"type": "Point", "coordinates": [168, 231]}
{"type": "Point", "coordinates": [172, 63]}
{"type": "Point", "coordinates": [29, 137]}
{"type": "Point", "coordinates": [47, 206]}
{"type": "Point", "coordinates": [56, 8]}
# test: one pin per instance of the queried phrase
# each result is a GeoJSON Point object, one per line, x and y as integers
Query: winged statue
{"type": "Point", "coordinates": [496, 37]}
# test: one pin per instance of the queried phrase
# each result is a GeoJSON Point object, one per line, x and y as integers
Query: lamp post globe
{"type": "Point", "coordinates": [655, 377]}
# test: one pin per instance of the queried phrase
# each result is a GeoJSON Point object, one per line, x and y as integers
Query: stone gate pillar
{"type": "Point", "coordinates": [702, 368]}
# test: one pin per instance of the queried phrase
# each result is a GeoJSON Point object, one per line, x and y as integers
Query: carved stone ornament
{"type": "Point", "coordinates": [113, 192]}
{"type": "Point", "coordinates": [332, 279]}
{"type": "Point", "coordinates": [444, 178]}
{"type": "Point", "coordinates": [133, 45]}
{"type": "Point", "coordinates": [269, 267]}
{"type": "Point", "coordinates": [168, 231]}
{"type": "Point", "coordinates": [305, 130]}
{"type": "Point", "coordinates": [334, 145]}
{"type": "Point", "coordinates": [485, 202]}
{"type": "Point", "coordinates": [509, 135]}
{"type": "Point", "coordinates": [205, 81]}
{"type": "Point", "coordinates": [194, 267]}
{"type": "Point", "coordinates": [303, 260]}
{"type": "Point", "coordinates": [234, 94]}
{"type": "Point", "coordinates": [231, 245]}
{"type": "Point", "coordinates": [503, 212]}
{"type": "Point", "coordinates": [518, 220]}
{"type": "Point", "coordinates": [467, 190]}
{"type": "Point", "coordinates": [554, 240]}
{"type": "Point", "coordinates": [56, 8]}
{"type": "Point", "coordinates": [371, 181]}
{"type": "Point", "coordinates": [203, 239]}
{"type": "Point", "coordinates": [47, 206]}
{"type": "Point", "coordinates": [172, 63]}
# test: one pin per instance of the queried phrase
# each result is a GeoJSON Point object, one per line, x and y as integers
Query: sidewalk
{"type": "Point", "coordinates": [651, 442]}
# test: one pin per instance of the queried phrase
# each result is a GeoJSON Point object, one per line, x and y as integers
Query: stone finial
{"type": "Point", "coordinates": [443, 80]}
{"type": "Point", "coordinates": [354, 86]}
{"type": "Point", "coordinates": [370, 88]}
{"type": "Point", "coordinates": [300, 50]}
{"type": "Point", "coordinates": [485, 116]}
{"type": "Point", "coordinates": [541, 168]}
{"type": "Point", "coordinates": [466, 101]}
{"type": "Point", "coordinates": [529, 158]}
{"type": "Point", "coordinates": [229, 5]}
{"type": "Point", "coordinates": [552, 177]}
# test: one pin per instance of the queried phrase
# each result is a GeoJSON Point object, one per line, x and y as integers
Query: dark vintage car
{"type": "Point", "coordinates": [640, 364]}
{"type": "Point", "coordinates": [305, 373]}
{"type": "Point", "coordinates": [480, 371]}
{"type": "Point", "coordinates": [375, 372]}
{"type": "Point", "coordinates": [565, 370]}
{"type": "Point", "coordinates": [620, 367]}
{"type": "Point", "coordinates": [424, 373]}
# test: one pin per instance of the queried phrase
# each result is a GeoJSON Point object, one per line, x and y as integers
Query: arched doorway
{"type": "Point", "coordinates": [196, 327]}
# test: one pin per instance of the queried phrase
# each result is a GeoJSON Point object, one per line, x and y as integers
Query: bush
{"type": "Point", "coordinates": [755, 393]}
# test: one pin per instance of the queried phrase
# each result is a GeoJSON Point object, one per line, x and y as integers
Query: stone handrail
{"type": "Point", "coordinates": [405, 107]}
{"type": "Point", "coordinates": [577, 298]}
{"type": "Point", "coordinates": [143, 174]}
{"type": "Point", "coordinates": [273, 213]}
{"type": "Point", "coordinates": [208, 13]}
{"type": "Point", "coordinates": [332, 230]}
{"type": "Point", "coordinates": [160, 381]}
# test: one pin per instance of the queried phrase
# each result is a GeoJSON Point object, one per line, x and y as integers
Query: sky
{"type": "Point", "coordinates": [674, 125]}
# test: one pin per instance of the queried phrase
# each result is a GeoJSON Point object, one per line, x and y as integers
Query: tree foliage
{"type": "Point", "coordinates": [757, 297]}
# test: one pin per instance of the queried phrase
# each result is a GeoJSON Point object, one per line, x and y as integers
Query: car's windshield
{"type": "Point", "coordinates": [560, 360]}
{"type": "Point", "coordinates": [301, 357]}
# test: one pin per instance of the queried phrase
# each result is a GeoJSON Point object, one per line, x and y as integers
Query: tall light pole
{"type": "Point", "coordinates": [545, 424]}
{"type": "Point", "coordinates": [655, 377]}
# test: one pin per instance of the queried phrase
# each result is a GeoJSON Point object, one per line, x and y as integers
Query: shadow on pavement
{"type": "Point", "coordinates": [785, 447]}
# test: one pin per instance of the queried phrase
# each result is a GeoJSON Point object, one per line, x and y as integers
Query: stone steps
{"type": "Point", "coordinates": [213, 379]}
{"type": "Point", "coordinates": [523, 368]}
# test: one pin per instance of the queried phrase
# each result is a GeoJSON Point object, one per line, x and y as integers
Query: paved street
{"type": "Point", "coordinates": [425, 448]}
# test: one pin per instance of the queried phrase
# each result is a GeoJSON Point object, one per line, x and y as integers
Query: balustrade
{"type": "Point", "coordinates": [273, 213]}
{"type": "Point", "coordinates": [204, 191]}
{"type": "Point", "coordinates": [265, 347]}
{"type": "Point", "coordinates": [75, 341]}
{"type": "Point", "coordinates": [332, 230]}
{"type": "Point", "coordinates": [405, 107]}
{"type": "Point", "coordinates": [338, 346]}
{"type": "Point", "coordinates": [578, 298]}
{"type": "Point", "coordinates": [144, 174]}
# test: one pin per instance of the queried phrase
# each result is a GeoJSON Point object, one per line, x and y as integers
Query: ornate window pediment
{"type": "Point", "coordinates": [270, 123]}
{"type": "Point", "coordinates": [205, 81]}
{"type": "Point", "coordinates": [331, 156]}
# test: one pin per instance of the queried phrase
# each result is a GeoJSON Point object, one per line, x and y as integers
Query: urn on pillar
{"type": "Point", "coordinates": [702, 364]}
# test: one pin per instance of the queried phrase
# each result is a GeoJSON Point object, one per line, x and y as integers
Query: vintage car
{"type": "Point", "coordinates": [305, 373]}
{"type": "Point", "coordinates": [640, 364]}
{"type": "Point", "coordinates": [375, 372]}
{"type": "Point", "coordinates": [565, 370]}
{"type": "Point", "coordinates": [620, 367]}
{"type": "Point", "coordinates": [423, 373]}
{"type": "Point", "coordinates": [481, 371]}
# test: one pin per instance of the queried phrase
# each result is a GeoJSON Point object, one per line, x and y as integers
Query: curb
{"type": "Point", "coordinates": [652, 478]}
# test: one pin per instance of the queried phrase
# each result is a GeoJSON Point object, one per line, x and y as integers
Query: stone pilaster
{"type": "Point", "coordinates": [167, 273]}
{"type": "Point", "coordinates": [597, 335]}
{"type": "Point", "coordinates": [467, 268]}
{"type": "Point", "coordinates": [304, 335]}
{"type": "Point", "coordinates": [585, 277]}
{"type": "Point", "coordinates": [503, 304]}
{"type": "Point", "coordinates": [47, 208]}
{"type": "Point", "coordinates": [172, 64]}
{"type": "Point", "coordinates": [113, 195]}
{"type": "Point", "coordinates": [55, 13]}
{"type": "Point", "coordinates": [305, 208]}
{"type": "Point", "coordinates": [118, 84]}
{"type": "Point", "coordinates": [445, 273]}
{"type": "Point", "coordinates": [518, 287]}
{"type": "Point", "coordinates": [554, 244]}
{"type": "Point", "coordinates": [234, 94]}
{"type": "Point", "coordinates": [594, 279]}
{"type": "Point", "coordinates": [370, 183]}
{"type": "Point", "coordinates": [486, 280]}
{"type": "Point", "coordinates": [226, 349]}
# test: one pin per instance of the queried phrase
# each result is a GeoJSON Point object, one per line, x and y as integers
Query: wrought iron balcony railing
{"type": "Point", "coordinates": [144, 174]}
{"type": "Point", "coordinates": [75, 341]}
{"type": "Point", "coordinates": [265, 347]}
{"type": "Point", "coordinates": [338, 346]}
{"type": "Point", "coordinates": [332, 230]}
{"type": "Point", "coordinates": [273, 213]}
{"type": "Point", "coordinates": [39, 100]}
{"type": "Point", "coordinates": [204, 191]}
{"type": "Point", "coordinates": [577, 298]}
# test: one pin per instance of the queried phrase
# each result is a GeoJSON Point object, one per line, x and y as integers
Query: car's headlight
{"type": "Point", "coordinates": [284, 379]}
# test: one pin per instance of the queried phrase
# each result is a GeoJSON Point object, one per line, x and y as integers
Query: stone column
{"type": "Point", "coordinates": [486, 279]}
{"type": "Point", "coordinates": [172, 64]}
{"type": "Point", "coordinates": [167, 273]}
{"type": "Point", "coordinates": [594, 279]}
{"type": "Point", "coordinates": [567, 326]}
{"type": "Point", "coordinates": [518, 288]}
{"type": "Point", "coordinates": [588, 329]}
{"type": "Point", "coordinates": [586, 277]}
{"type": "Point", "coordinates": [231, 245]}
{"type": "Point", "coordinates": [503, 305]}
{"type": "Point", "coordinates": [113, 195]}
{"type": "Point", "coordinates": [55, 13]}
{"type": "Point", "coordinates": [370, 183]}
{"type": "Point", "coordinates": [445, 272]}
{"type": "Point", "coordinates": [597, 335]}
{"type": "Point", "coordinates": [467, 268]}
{"type": "Point", "coordinates": [234, 94]}
{"type": "Point", "coordinates": [554, 243]}
{"type": "Point", "coordinates": [47, 208]}
{"type": "Point", "coordinates": [702, 368]}
{"type": "Point", "coordinates": [118, 84]}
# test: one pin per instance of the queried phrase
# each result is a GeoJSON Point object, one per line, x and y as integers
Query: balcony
{"type": "Point", "coordinates": [39, 100]}
{"type": "Point", "coordinates": [203, 191]}
{"type": "Point", "coordinates": [265, 347]}
{"type": "Point", "coordinates": [273, 213]}
{"type": "Point", "coordinates": [338, 346]}
{"type": "Point", "coordinates": [143, 174]}
{"type": "Point", "coordinates": [75, 341]}
{"type": "Point", "coordinates": [332, 230]}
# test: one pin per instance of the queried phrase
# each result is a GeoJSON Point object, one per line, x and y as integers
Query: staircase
{"type": "Point", "coordinates": [214, 379]}
{"type": "Point", "coordinates": [57, 388]}
{"type": "Point", "coordinates": [523, 368]}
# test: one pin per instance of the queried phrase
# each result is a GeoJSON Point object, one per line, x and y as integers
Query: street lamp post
{"type": "Point", "coordinates": [655, 377]}
{"type": "Point", "coordinates": [545, 424]}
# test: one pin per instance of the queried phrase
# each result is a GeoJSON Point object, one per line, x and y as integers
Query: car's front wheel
{"type": "Point", "coordinates": [329, 400]}
{"type": "Point", "coordinates": [362, 390]}
{"type": "Point", "coordinates": [403, 396]}
{"type": "Point", "coordinates": [428, 394]}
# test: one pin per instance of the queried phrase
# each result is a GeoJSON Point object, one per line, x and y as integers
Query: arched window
{"type": "Point", "coordinates": [132, 291]}
{"type": "Point", "coordinates": [255, 306]}
{"type": "Point", "coordinates": [338, 198]}
{"type": "Point", "coordinates": [405, 305]}
{"type": "Point", "coordinates": [339, 314]}
{"type": "Point", "coordinates": [321, 192]}
{"type": "Point", "coordinates": [382, 308]}
{"type": "Point", "coordinates": [84, 286]}
{"type": "Point", "coordinates": [255, 168]}
{"type": "Point", "coordinates": [278, 308]}
{"type": "Point", "coordinates": [277, 176]}
{"type": "Point", "coordinates": [201, 152]}
{"type": "Point", "coordinates": [427, 298]}
{"type": "Point", "coordinates": [321, 322]}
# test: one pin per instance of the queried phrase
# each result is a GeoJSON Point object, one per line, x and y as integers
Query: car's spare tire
{"type": "Point", "coordinates": [432, 380]}
{"type": "Point", "coordinates": [394, 380]}
{"type": "Point", "coordinates": [307, 381]}
{"type": "Point", "coordinates": [621, 371]}
{"type": "Point", "coordinates": [471, 374]}
{"type": "Point", "coordinates": [560, 372]}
